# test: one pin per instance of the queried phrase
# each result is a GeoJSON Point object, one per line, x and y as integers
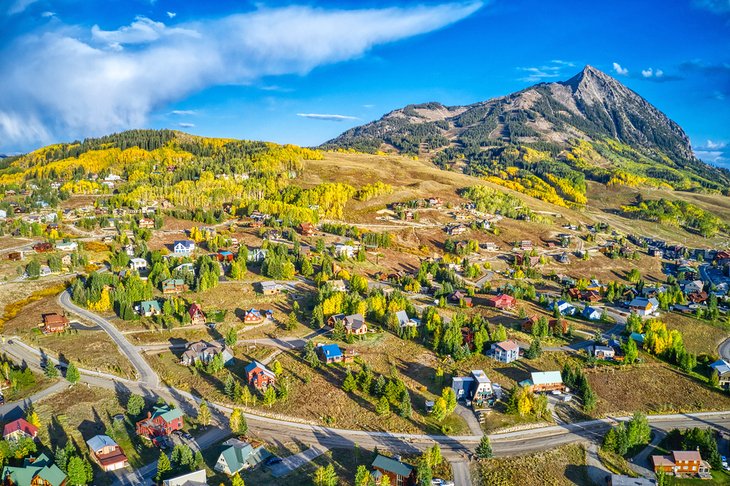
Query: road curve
{"type": "Point", "coordinates": [724, 350]}
{"type": "Point", "coordinates": [147, 375]}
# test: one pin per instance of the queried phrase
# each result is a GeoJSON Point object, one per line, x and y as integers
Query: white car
{"type": "Point", "coordinates": [441, 482]}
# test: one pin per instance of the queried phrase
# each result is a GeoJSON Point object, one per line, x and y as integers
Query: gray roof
{"type": "Point", "coordinates": [98, 442]}
{"type": "Point", "coordinates": [195, 478]}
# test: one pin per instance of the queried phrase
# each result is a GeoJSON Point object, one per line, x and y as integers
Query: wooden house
{"type": "Point", "coordinates": [398, 473]}
{"type": "Point", "coordinates": [161, 421]}
{"type": "Point", "coordinates": [197, 316]}
{"type": "Point", "coordinates": [259, 376]}
{"type": "Point", "coordinates": [107, 453]}
{"type": "Point", "coordinates": [53, 323]}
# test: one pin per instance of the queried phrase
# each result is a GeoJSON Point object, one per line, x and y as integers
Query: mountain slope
{"type": "Point", "coordinates": [588, 127]}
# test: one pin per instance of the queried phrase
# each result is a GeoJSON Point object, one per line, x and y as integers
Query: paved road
{"type": "Point", "coordinates": [146, 374]}
{"type": "Point", "coordinates": [724, 350]}
{"type": "Point", "coordinates": [295, 461]}
{"type": "Point", "coordinates": [640, 462]}
{"type": "Point", "coordinates": [26, 402]}
{"type": "Point", "coordinates": [462, 473]}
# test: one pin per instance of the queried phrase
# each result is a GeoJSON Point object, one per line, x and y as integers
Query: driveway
{"type": "Point", "coordinates": [288, 464]}
{"type": "Point", "coordinates": [462, 473]}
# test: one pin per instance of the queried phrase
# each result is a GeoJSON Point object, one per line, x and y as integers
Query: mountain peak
{"type": "Point", "coordinates": [590, 75]}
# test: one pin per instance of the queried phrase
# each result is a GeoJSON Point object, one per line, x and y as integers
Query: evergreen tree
{"type": "Point", "coordinates": [231, 336]}
{"type": "Point", "coordinates": [163, 466]}
{"type": "Point", "coordinates": [325, 476]}
{"type": "Point", "coordinates": [269, 396]}
{"type": "Point", "coordinates": [349, 384]}
{"type": "Point", "coordinates": [382, 408]}
{"type": "Point", "coordinates": [72, 374]}
{"type": "Point", "coordinates": [135, 405]}
{"type": "Point", "coordinates": [77, 473]}
{"type": "Point", "coordinates": [484, 449]}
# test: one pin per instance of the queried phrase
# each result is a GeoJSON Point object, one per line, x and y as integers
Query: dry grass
{"type": "Point", "coordinates": [562, 466]}
{"type": "Point", "coordinates": [699, 336]}
{"type": "Point", "coordinates": [90, 349]}
{"type": "Point", "coordinates": [652, 387]}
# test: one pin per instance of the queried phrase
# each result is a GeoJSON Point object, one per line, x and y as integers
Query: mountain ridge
{"type": "Point", "coordinates": [619, 136]}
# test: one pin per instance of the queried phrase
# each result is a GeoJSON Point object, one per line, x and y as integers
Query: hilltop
{"type": "Point", "coordinates": [548, 140]}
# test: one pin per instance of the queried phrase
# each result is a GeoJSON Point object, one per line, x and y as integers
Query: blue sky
{"type": "Point", "coordinates": [304, 73]}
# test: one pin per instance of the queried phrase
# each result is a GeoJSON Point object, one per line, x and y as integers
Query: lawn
{"type": "Point", "coordinates": [699, 336]}
{"type": "Point", "coordinates": [562, 466]}
{"type": "Point", "coordinates": [718, 478]}
{"type": "Point", "coordinates": [651, 387]}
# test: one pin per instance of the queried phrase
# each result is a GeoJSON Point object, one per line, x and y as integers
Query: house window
{"type": "Point", "coordinates": [399, 480]}
{"type": "Point", "coordinates": [694, 468]}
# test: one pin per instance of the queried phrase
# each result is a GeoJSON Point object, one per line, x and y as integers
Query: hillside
{"type": "Point", "coordinates": [547, 140]}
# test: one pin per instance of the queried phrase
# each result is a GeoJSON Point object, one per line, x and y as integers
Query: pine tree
{"type": "Point", "coordinates": [231, 336]}
{"type": "Point", "coordinates": [72, 374]}
{"type": "Point", "coordinates": [382, 408]}
{"type": "Point", "coordinates": [349, 384]}
{"type": "Point", "coordinates": [269, 396]}
{"type": "Point", "coordinates": [362, 476]}
{"type": "Point", "coordinates": [163, 466]}
{"type": "Point", "coordinates": [325, 476]}
{"type": "Point", "coordinates": [76, 471]}
{"type": "Point", "coordinates": [135, 405]}
{"type": "Point", "coordinates": [277, 368]}
{"type": "Point", "coordinates": [484, 449]}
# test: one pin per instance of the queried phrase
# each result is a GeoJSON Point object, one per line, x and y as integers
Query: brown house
{"type": "Point", "coordinates": [107, 453]}
{"type": "Point", "coordinates": [399, 473]}
{"type": "Point", "coordinates": [502, 301]}
{"type": "Point", "coordinates": [54, 323]}
{"type": "Point", "coordinates": [681, 462]}
{"type": "Point", "coordinates": [162, 421]}
{"type": "Point", "coordinates": [306, 229]}
{"type": "Point", "coordinates": [196, 314]}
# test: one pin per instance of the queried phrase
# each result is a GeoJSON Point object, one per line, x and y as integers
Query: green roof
{"type": "Point", "coordinates": [167, 413]}
{"type": "Point", "coordinates": [237, 457]}
{"type": "Point", "coordinates": [41, 467]}
{"type": "Point", "coordinates": [391, 465]}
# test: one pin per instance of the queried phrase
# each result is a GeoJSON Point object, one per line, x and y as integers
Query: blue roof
{"type": "Point", "coordinates": [331, 351]}
{"type": "Point", "coordinates": [639, 338]}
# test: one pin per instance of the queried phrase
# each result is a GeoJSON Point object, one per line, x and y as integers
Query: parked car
{"type": "Point", "coordinates": [441, 482]}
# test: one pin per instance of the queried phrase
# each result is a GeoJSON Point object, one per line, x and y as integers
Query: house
{"type": "Point", "coordinates": [591, 313]}
{"type": "Point", "coordinates": [67, 246]}
{"type": "Point", "coordinates": [149, 308]}
{"type": "Point", "coordinates": [458, 297]}
{"type": "Point", "coordinates": [722, 368]}
{"type": "Point", "coordinates": [347, 251]}
{"type": "Point", "coordinates": [204, 352]}
{"type": "Point", "coordinates": [162, 421]}
{"type": "Point", "coordinates": [405, 321]}
{"type": "Point", "coordinates": [106, 453]}
{"type": "Point", "coordinates": [456, 229]}
{"type": "Point", "coordinates": [591, 296]}
{"type": "Point", "coordinates": [697, 297]}
{"type": "Point", "coordinates": [15, 256]}
{"type": "Point", "coordinates": [197, 316]}
{"type": "Point", "coordinates": [239, 455]}
{"type": "Point", "coordinates": [307, 229]}
{"type": "Point", "coordinates": [505, 351]}
{"type": "Point", "coordinates": [39, 471]}
{"type": "Point", "coordinates": [45, 271]}
{"type": "Point", "coordinates": [694, 286]}
{"type": "Point", "coordinates": [398, 473]}
{"type": "Point", "coordinates": [138, 264]}
{"type": "Point", "coordinates": [639, 338]}
{"type": "Point", "coordinates": [19, 429]}
{"type": "Point", "coordinates": [330, 353]}
{"type": "Point", "coordinates": [174, 286]}
{"type": "Point", "coordinates": [565, 308]}
{"type": "Point", "coordinates": [146, 223]}
{"type": "Point", "coordinates": [224, 256]}
{"type": "Point", "coordinates": [475, 387]}
{"type": "Point", "coordinates": [259, 375]}
{"type": "Point", "coordinates": [355, 324]}
{"type": "Point", "coordinates": [195, 478]}
{"type": "Point", "coordinates": [544, 381]}
{"type": "Point", "coordinates": [253, 316]}
{"type": "Point", "coordinates": [269, 287]}
{"type": "Point", "coordinates": [489, 246]}
{"type": "Point", "coordinates": [338, 285]}
{"type": "Point", "coordinates": [54, 323]}
{"type": "Point", "coordinates": [42, 247]}
{"type": "Point", "coordinates": [525, 245]}
{"type": "Point", "coordinates": [184, 268]}
{"type": "Point", "coordinates": [257, 255]}
{"type": "Point", "coordinates": [680, 462]}
{"type": "Point", "coordinates": [602, 352]}
{"type": "Point", "coordinates": [501, 301]}
{"type": "Point", "coordinates": [183, 247]}
{"type": "Point", "coordinates": [643, 306]}
{"type": "Point", "coordinates": [554, 325]}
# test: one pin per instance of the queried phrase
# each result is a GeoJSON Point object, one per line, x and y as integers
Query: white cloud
{"type": "Point", "coordinates": [141, 31]}
{"type": "Point", "coordinates": [48, 14]}
{"type": "Point", "coordinates": [647, 73]}
{"type": "Point", "coordinates": [659, 73]}
{"type": "Point", "coordinates": [551, 70]}
{"type": "Point", "coordinates": [327, 117]}
{"type": "Point", "coordinates": [171, 14]}
{"type": "Point", "coordinates": [19, 6]}
{"type": "Point", "coordinates": [715, 145]}
{"type": "Point", "coordinates": [711, 156]}
{"type": "Point", "coordinates": [73, 83]}
{"type": "Point", "coordinates": [618, 69]}
{"type": "Point", "coordinates": [186, 125]}
{"type": "Point", "coordinates": [183, 112]}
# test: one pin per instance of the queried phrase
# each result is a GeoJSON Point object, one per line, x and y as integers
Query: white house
{"type": "Point", "coordinates": [643, 306]}
{"type": "Point", "coordinates": [592, 314]}
{"type": "Point", "coordinates": [344, 250]}
{"type": "Point", "coordinates": [138, 264]}
{"type": "Point", "coordinates": [183, 247]}
{"type": "Point", "coordinates": [67, 246]}
{"type": "Point", "coordinates": [257, 255]}
{"type": "Point", "coordinates": [505, 351]}
{"type": "Point", "coordinates": [694, 286]}
{"type": "Point", "coordinates": [405, 321]}
{"type": "Point", "coordinates": [602, 352]}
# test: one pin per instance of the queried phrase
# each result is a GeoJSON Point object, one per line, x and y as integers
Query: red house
{"type": "Point", "coordinates": [502, 301]}
{"type": "Point", "coordinates": [161, 421]}
{"type": "Point", "coordinates": [196, 314]}
{"type": "Point", "coordinates": [54, 323]}
{"type": "Point", "coordinates": [19, 429]}
{"type": "Point", "coordinates": [306, 229]}
{"type": "Point", "coordinates": [259, 375]}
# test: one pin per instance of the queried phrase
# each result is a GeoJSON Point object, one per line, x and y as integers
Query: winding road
{"type": "Point", "coordinates": [457, 449]}
{"type": "Point", "coordinates": [147, 375]}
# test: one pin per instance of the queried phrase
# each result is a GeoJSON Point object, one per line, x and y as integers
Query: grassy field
{"type": "Point", "coordinates": [562, 466]}
{"type": "Point", "coordinates": [699, 336]}
{"type": "Point", "coordinates": [718, 478]}
{"type": "Point", "coordinates": [652, 387]}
